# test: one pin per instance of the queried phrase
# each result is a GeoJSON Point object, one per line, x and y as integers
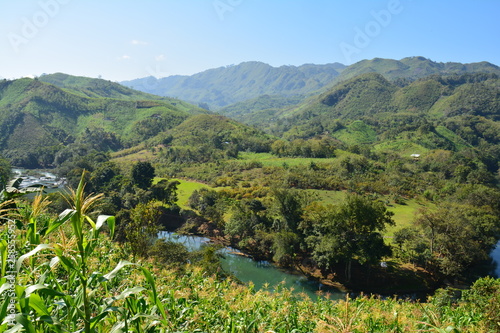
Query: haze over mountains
{"type": "Point", "coordinates": [223, 86]}
{"type": "Point", "coordinates": [227, 85]}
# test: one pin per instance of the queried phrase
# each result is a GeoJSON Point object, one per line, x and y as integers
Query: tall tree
{"type": "Point", "coordinates": [143, 174]}
{"type": "Point", "coordinates": [5, 172]}
{"type": "Point", "coordinates": [459, 235]}
{"type": "Point", "coordinates": [348, 231]}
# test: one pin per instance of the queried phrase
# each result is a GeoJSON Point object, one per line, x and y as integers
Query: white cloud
{"type": "Point", "coordinates": [160, 57]}
{"type": "Point", "coordinates": [125, 57]}
{"type": "Point", "coordinates": [138, 42]}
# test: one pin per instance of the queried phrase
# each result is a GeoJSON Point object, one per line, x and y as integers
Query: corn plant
{"type": "Point", "coordinates": [63, 294]}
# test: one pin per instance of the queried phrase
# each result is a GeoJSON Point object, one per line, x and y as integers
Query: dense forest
{"type": "Point", "coordinates": [379, 184]}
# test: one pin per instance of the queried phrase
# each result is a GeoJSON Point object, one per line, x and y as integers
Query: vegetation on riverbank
{"type": "Point", "coordinates": [383, 186]}
{"type": "Point", "coordinates": [121, 293]}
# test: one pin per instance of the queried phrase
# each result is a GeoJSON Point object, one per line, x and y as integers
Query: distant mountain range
{"type": "Point", "coordinates": [231, 84]}
{"type": "Point", "coordinates": [447, 112]}
{"type": "Point", "coordinates": [220, 87]}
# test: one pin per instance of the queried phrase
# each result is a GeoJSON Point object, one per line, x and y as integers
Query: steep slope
{"type": "Point", "coordinates": [260, 109]}
{"type": "Point", "coordinates": [450, 112]}
{"type": "Point", "coordinates": [223, 86]}
{"type": "Point", "coordinates": [37, 119]}
{"type": "Point", "coordinates": [217, 131]}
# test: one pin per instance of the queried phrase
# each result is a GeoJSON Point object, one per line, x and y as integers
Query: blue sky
{"type": "Point", "coordinates": [121, 40]}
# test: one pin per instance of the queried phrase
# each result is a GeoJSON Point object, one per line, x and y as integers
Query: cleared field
{"type": "Point", "coordinates": [184, 190]}
{"type": "Point", "coordinates": [403, 214]}
{"type": "Point", "coordinates": [268, 159]}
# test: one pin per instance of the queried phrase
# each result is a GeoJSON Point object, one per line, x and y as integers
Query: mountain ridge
{"type": "Point", "coordinates": [224, 86]}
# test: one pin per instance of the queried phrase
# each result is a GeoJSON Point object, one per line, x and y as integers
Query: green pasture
{"type": "Point", "coordinates": [184, 190]}
{"type": "Point", "coordinates": [268, 159]}
{"type": "Point", "coordinates": [403, 214]}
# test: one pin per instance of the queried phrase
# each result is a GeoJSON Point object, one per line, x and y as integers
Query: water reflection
{"type": "Point", "coordinates": [262, 274]}
{"type": "Point", "coordinates": [495, 256]}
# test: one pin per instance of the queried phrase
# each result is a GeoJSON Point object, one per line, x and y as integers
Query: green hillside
{"type": "Point", "coordinates": [376, 185]}
{"type": "Point", "coordinates": [37, 119]}
{"type": "Point", "coordinates": [95, 88]}
{"type": "Point", "coordinates": [449, 112]}
{"type": "Point", "coordinates": [262, 108]}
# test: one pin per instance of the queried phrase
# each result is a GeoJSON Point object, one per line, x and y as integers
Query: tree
{"type": "Point", "coordinates": [289, 205]}
{"type": "Point", "coordinates": [143, 174]}
{"type": "Point", "coordinates": [165, 191]}
{"type": "Point", "coordinates": [142, 229]}
{"type": "Point", "coordinates": [5, 172]}
{"type": "Point", "coordinates": [458, 236]}
{"type": "Point", "coordinates": [348, 231]}
{"type": "Point", "coordinates": [246, 218]}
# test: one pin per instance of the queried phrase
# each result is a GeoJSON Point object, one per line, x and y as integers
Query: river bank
{"type": "Point", "coordinates": [262, 274]}
{"type": "Point", "coordinates": [392, 280]}
{"type": "Point", "coordinates": [388, 278]}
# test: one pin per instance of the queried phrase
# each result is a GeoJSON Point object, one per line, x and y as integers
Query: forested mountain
{"type": "Point", "coordinates": [95, 88]}
{"type": "Point", "coordinates": [223, 86]}
{"type": "Point", "coordinates": [433, 112]}
{"type": "Point", "coordinates": [414, 68]}
{"type": "Point", "coordinates": [38, 119]}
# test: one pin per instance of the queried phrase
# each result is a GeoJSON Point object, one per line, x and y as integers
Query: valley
{"type": "Point", "coordinates": [380, 178]}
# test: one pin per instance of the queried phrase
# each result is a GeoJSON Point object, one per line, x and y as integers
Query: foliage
{"type": "Point", "coordinates": [459, 236]}
{"type": "Point", "coordinates": [5, 172]}
{"type": "Point", "coordinates": [37, 119]}
{"type": "Point", "coordinates": [346, 232]}
{"type": "Point", "coordinates": [143, 174]}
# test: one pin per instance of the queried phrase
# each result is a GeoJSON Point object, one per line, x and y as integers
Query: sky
{"type": "Point", "coordinates": [127, 39]}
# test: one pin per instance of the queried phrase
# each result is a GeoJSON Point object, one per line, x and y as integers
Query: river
{"type": "Point", "coordinates": [495, 256]}
{"type": "Point", "coordinates": [265, 275]}
{"type": "Point", "coordinates": [261, 273]}
{"type": "Point", "coordinates": [48, 180]}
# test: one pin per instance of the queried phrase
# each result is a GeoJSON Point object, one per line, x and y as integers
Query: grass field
{"type": "Point", "coordinates": [184, 190]}
{"type": "Point", "coordinates": [403, 214]}
{"type": "Point", "coordinates": [125, 159]}
{"type": "Point", "coordinates": [268, 159]}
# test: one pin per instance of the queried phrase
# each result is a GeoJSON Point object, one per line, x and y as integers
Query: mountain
{"type": "Point", "coordinates": [95, 88]}
{"type": "Point", "coordinates": [220, 87]}
{"type": "Point", "coordinates": [38, 118]}
{"type": "Point", "coordinates": [448, 112]}
{"type": "Point", "coordinates": [223, 86]}
{"type": "Point", "coordinates": [414, 68]}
